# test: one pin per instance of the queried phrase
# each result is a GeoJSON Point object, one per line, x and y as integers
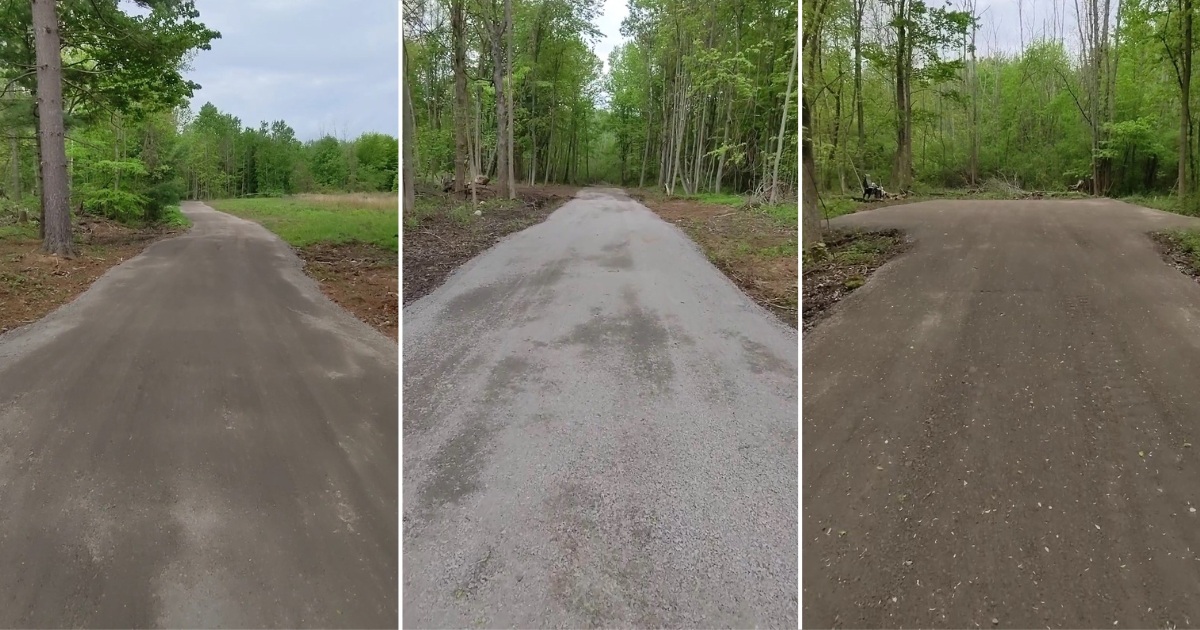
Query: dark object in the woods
{"type": "Point", "coordinates": [871, 190]}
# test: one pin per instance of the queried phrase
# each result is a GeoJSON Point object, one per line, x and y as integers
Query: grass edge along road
{"type": "Point", "coordinates": [33, 284]}
{"type": "Point", "coordinates": [348, 243]}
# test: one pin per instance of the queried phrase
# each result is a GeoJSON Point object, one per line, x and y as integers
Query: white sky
{"type": "Point", "coordinates": [324, 67]}
{"type": "Point", "coordinates": [609, 25]}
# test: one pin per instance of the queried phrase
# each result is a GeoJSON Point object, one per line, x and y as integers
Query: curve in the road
{"type": "Point", "coordinates": [997, 427]}
{"type": "Point", "coordinates": [202, 439]}
{"type": "Point", "coordinates": [600, 429]}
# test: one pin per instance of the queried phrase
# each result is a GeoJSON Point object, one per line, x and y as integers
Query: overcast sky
{"type": "Point", "coordinates": [609, 25]}
{"type": "Point", "coordinates": [323, 66]}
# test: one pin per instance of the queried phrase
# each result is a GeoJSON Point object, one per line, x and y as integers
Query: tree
{"type": "Point", "coordinates": [783, 124]}
{"type": "Point", "coordinates": [51, 132]}
{"type": "Point", "coordinates": [410, 198]}
{"type": "Point", "coordinates": [810, 230]}
{"type": "Point", "coordinates": [461, 113]}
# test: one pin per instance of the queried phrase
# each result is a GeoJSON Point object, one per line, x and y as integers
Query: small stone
{"type": "Point", "coordinates": [995, 621]}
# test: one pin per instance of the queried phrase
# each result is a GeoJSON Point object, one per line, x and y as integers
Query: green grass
{"type": "Point", "coordinates": [303, 222]}
{"type": "Point", "coordinates": [838, 206]}
{"type": "Point", "coordinates": [1166, 203]}
{"type": "Point", "coordinates": [722, 199]}
{"type": "Point", "coordinates": [19, 231]}
{"type": "Point", "coordinates": [173, 217]}
{"type": "Point", "coordinates": [787, 214]}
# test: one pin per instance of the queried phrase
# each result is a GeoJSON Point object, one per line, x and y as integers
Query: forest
{"type": "Point", "coordinates": [1090, 95]}
{"type": "Point", "coordinates": [131, 146]}
{"type": "Point", "coordinates": [693, 100]}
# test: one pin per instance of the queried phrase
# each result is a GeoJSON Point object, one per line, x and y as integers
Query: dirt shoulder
{"type": "Point", "coordinates": [33, 284]}
{"type": "Point", "coordinates": [360, 278]}
{"type": "Point", "coordinates": [755, 249]}
{"type": "Point", "coordinates": [842, 265]}
{"type": "Point", "coordinates": [444, 232]}
{"type": "Point", "coordinates": [1181, 249]}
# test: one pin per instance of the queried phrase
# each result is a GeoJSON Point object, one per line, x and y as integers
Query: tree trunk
{"type": "Point", "coordinates": [724, 145]}
{"type": "Point", "coordinates": [461, 113]}
{"type": "Point", "coordinates": [1185, 110]}
{"type": "Point", "coordinates": [56, 193]}
{"type": "Point", "coordinates": [14, 185]}
{"type": "Point", "coordinates": [811, 228]}
{"type": "Point", "coordinates": [508, 25]}
{"type": "Point", "coordinates": [410, 193]}
{"type": "Point", "coordinates": [497, 37]}
{"type": "Point", "coordinates": [859, 8]}
{"type": "Point", "coordinates": [902, 174]}
{"type": "Point", "coordinates": [787, 100]}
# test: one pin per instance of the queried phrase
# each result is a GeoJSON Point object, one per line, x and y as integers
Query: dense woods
{"type": "Point", "coordinates": [692, 101]}
{"type": "Point", "coordinates": [131, 146]}
{"type": "Point", "coordinates": [1091, 92]}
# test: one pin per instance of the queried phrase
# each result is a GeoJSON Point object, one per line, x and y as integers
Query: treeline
{"type": "Point", "coordinates": [696, 100]}
{"type": "Point", "coordinates": [1099, 93]}
{"type": "Point", "coordinates": [704, 100]}
{"type": "Point", "coordinates": [218, 157]}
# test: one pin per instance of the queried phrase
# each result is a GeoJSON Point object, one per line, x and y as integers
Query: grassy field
{"type": "Point", "coordinates": [305, 220]}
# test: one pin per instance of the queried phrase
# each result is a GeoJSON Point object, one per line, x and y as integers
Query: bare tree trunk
{"type": "Point", "coordinates": [724, 145]}
{"type": "Point", "coordinates": [508, 25]}
{"type": "Point", "coordinates": [811, 228]}
{"type": "Point", "coordinates": [859, 8]}
{"type": "Point", "coordinates": [476, 156]}
{"type": "Point", "coordinates": [14, 186]}
{"type": "Point", "coordinates": [1185, 110]}
{"type": "Point", "coordinates": [787, 100]}
{"type": "Point", "coordinates": [410, 193]}
{"type": "Point", "coordinates": [56, 193]}
{"type": "Point", "coordinates": [902, 175]}
{"type": "Point", "coordinates": [461, 114]}
{"type": "Point", "coordinates": [497, 37]}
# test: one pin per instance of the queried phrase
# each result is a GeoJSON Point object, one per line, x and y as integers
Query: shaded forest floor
{"type": "Point", "coordinates": [443, 232]}
{"type": "Point", "coordinates": [32, 284]}
{"type": "Point", "coordinates": [845, 262]}
{"type": "Point", "coordinates": [756, 247]}
{"type": "Point", "coordinates": [348, 245]}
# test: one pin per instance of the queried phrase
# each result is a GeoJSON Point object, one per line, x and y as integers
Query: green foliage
{"type": "Point", "coordinates": [113, 61]}
{"type": "Point", "coordinates": [725, 69]}
{"type": "Point", "coordinates": [1028, 109]}
{"type": "Point", "coordinates": [173, 217]}
{"type": "Point", "coordinates": [784, 213]}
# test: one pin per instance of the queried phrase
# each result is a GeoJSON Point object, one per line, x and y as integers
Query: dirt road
{"type": "Point", "coordinates": [200, 440]}
{"type": "Point", "coordinates": [599, 430]}
{"type": "Point", "coordinates": [999, 427]}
